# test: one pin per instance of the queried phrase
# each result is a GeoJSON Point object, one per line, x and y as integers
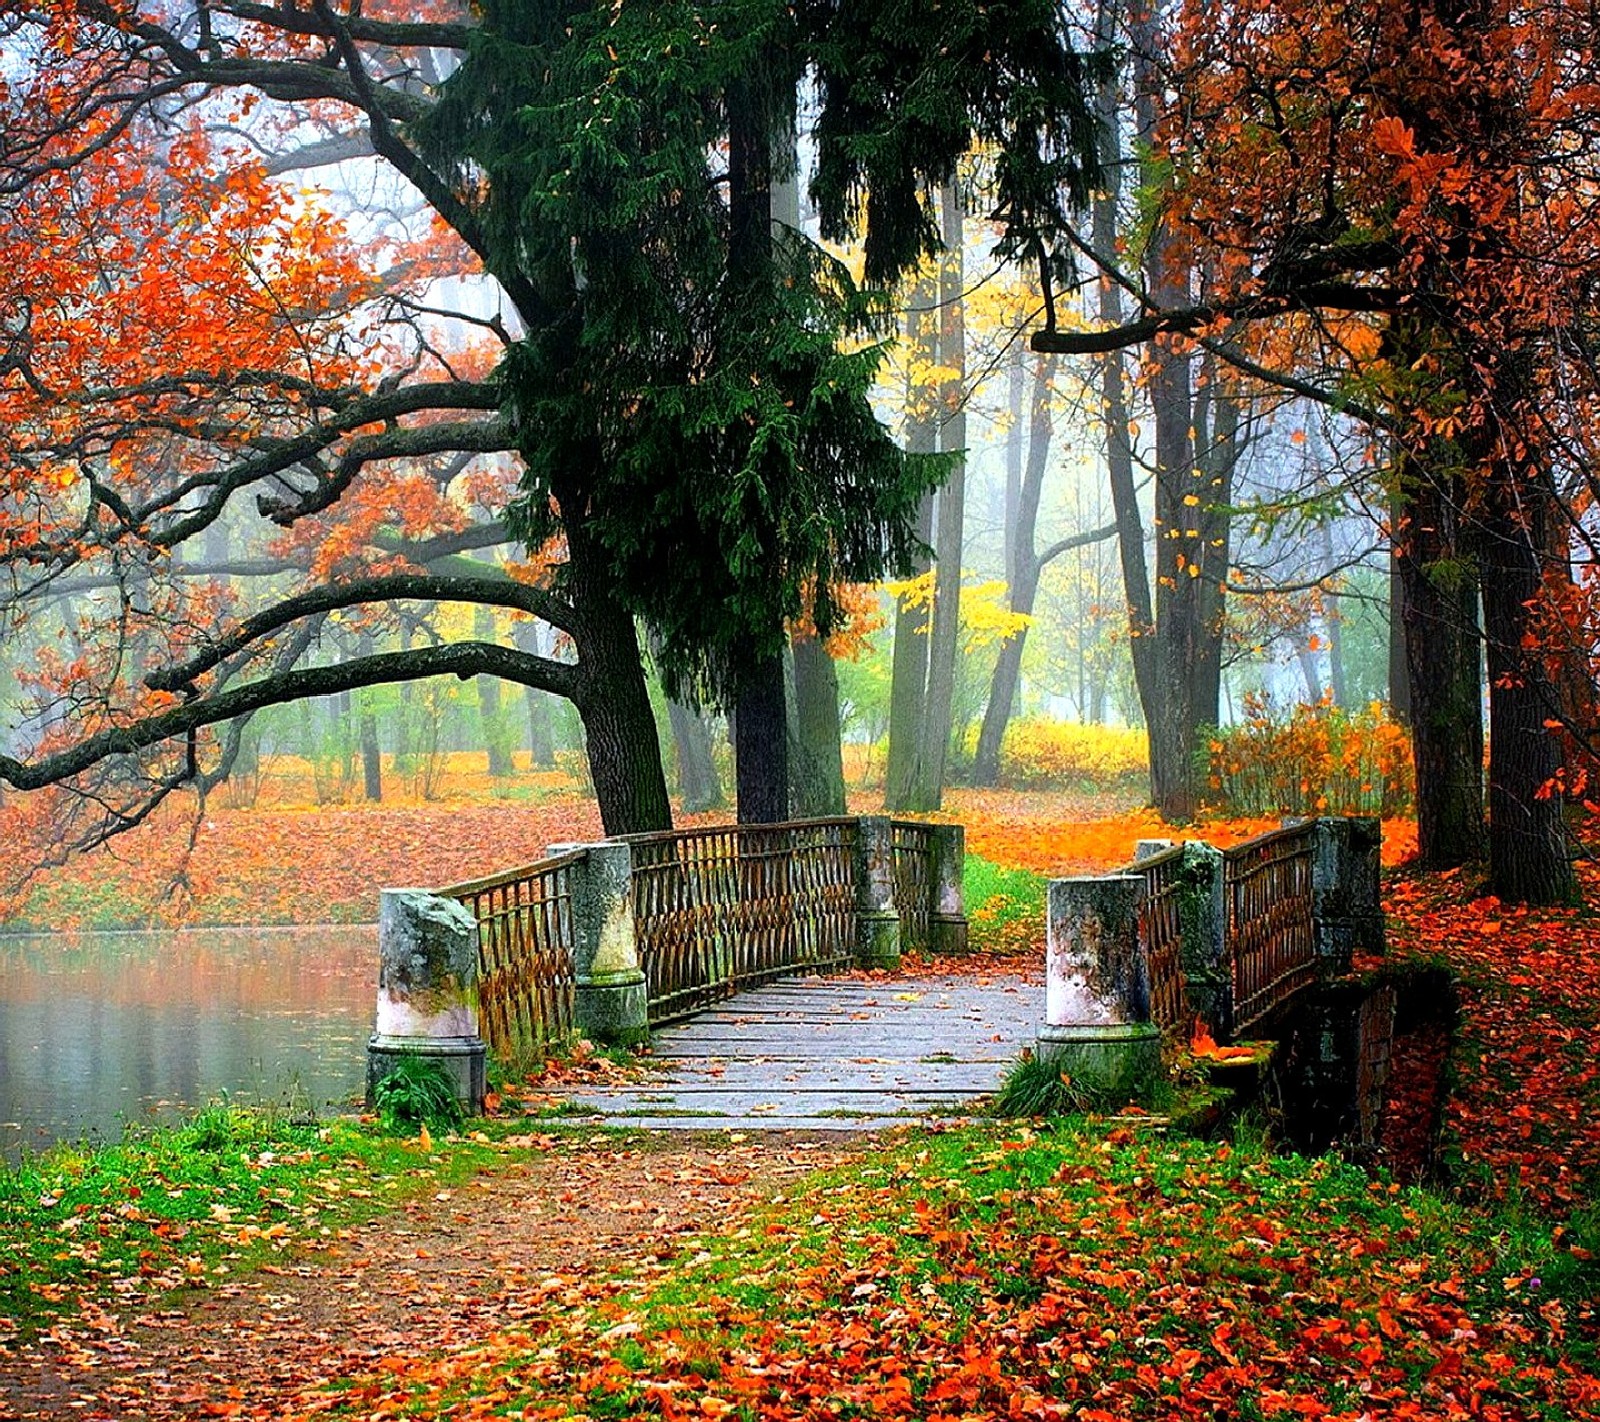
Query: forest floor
{"type": "Point", "coordinates": [1085, 1268]}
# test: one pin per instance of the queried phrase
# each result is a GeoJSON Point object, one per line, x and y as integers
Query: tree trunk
{"type": "Point", "coordinates": [1442, 666]}
{"type": "Point", "coordinates": [761, 742]}
{"type": "Point", "coordinates": [699, 786]}
{"type": "Point", "coordinates": [819, 759]}
{"type": "Point", "coordinates": [1023, 578]}
{"type": "Point", "coordinates": [491, 717]}
{"type": "Point", "coordinates": [1142, 644]}
{"type": "Point", "coordinates": [944, 638]}
{"type": "Point", "coordinates": [761, 747]}
{"type": "Point", "coordinates": [1399, 677]}
{"type": "Point", "coordinates": [1528, 860]}
{"type": "Point", "coordinates": [1217, 459]}
{"type": "Point", "coordinates": [908, 687]}
{"type": "Point", "coordinates": [371, 759]}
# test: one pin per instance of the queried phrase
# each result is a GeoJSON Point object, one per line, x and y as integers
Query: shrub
{"type": "Point", "coordinates": [1320, 760]}
{"type": "Point", "coordinates": [417, 1092]}
{"type": "Point", "coordinates": [1038, 753]}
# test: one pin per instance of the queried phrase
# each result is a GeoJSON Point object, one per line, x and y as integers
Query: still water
{"type": "Point", "coordinates": [99, 1029]}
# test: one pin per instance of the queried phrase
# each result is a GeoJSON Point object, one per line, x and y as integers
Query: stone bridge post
{"type": "Point", "coordinates": [611, 999]}
{"type": "Point", "coordinates": [427, 991]}
{"type": "Point", "coordinates": [1346, 903]}
{"type": "Point", "coordinates": [947, 922]}
{"type": "Point", "coordinates": [877, 919]}
{"type": "Point", "coordinates": [1097, 987]}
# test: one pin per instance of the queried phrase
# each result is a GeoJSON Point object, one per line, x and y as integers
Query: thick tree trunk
{"type": "Point", "coordinates": [819, 759]}
{"type": "Point", "coordinates": [1528, 860]}
{"type": "Point", "coordinates": [1442, 664]}
{"type": "Point", "coordinates": [761, 743]}
{"type": "Point", "coordinates": [1399, 677]}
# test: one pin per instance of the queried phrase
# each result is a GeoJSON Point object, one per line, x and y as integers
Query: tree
{"type": "Point", "coordinates": [656, 323]}
{"type": "Point", "coordinates": [1407, 192]}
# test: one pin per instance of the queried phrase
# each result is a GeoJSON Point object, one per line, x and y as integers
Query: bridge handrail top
{"type": "Point", "coordinates": [510, 876]}
{"type": "Point", "coordinates": [657, 836]}
{"type": "Point", "coordinates": [1305, 829]}
{"type": "Point", "coordinates": [1154, 861]}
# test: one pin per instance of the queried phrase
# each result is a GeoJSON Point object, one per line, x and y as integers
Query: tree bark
{"type": "Point", "coordinates": [761, 742]}
{"type": "Point", "coordinates": [945, 634]}
{"type": "Point", "coordinates": [1528, 860]}
{"type": "Point", "coordinates": [699, 786]}
{"type": "Point", "coordinates": [908, 687]}
{"type": "Point", "coordinates": [1442, 666]}
{"type": "Point", "coordinates": [819, 759]}
{"type": "Point", "coordinates": [1023, 579]}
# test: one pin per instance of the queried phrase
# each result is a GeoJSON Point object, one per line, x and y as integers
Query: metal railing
{"type": "Point", "coordinates": [720, 909]}
{"type": "Point", "coordinates": [1270, 921]}
{"type": "Point", "coordinates": [1161, 929]}
{"type": "Point", "coordinates": [525, 953]}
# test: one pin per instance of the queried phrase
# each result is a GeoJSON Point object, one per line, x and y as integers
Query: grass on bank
{"type": "Point", "coordinates": [83, 1228]}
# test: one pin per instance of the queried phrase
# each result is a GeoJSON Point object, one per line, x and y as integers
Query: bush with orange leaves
{"type": "Point", "coordinates": [1320, 760]}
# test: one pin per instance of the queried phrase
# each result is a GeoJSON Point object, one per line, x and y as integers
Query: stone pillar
{"type": "Point", "coordinates": [1144, 849]}
{"type": "Point", "coordinates": [1363, 874]}
{"type": "Point", "coordinates": [427, 991]}
{"type": "Point", "coordinates": [1097, 989]}
{"type": "Point", "coordinates": [611, 999]}
{"type": "Point", "coordinates": [877, 919]}
{"type": "Point", "coordinates": [947, 922]}
{"type": "Point", "coordinates": [1345, 893]}
{"type": "Point", "coordinates": [1203, 912]}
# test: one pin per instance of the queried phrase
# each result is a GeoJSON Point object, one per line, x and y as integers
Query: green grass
{"type": "Point", "coordinates": [168, 1209]}
{"type": "Point", "coordinates": [1005, 907]}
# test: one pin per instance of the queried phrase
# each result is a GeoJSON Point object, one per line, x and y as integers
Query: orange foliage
{"type": "Point", "coordinates": [1049, 834]}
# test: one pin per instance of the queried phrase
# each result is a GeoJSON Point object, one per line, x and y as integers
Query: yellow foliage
{"type": "Point", "coordinates": [1038, 752]}
{"type": "Point", "coordinates": [986, 621]}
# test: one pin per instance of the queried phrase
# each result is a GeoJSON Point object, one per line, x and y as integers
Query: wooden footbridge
{"type": "Point", "coordinates": [763, 963]}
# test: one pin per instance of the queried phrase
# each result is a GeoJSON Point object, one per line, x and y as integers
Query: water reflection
{"type": "Point", "coordinates": [101, 1028]}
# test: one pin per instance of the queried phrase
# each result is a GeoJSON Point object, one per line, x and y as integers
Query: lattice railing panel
{"type": "Point", "coordinates": [912, 845]}
{"type": "Point", "coordinates": [720, 909]}
{"type": "Point", "coordinates": [1271, 930]}
{"type": "Point", "coordinates": [1161, 932]}
{"type": "Point", "coordinates": [525, 948]}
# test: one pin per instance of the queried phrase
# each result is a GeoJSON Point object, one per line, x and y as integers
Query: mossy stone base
{"type": "Point", "coordinates": [947, 933]}
{"type": "Point", "coordinates": [878, 945]}
{"type": "Point", "coordinates": [1112, 1063]}
{"type": "Point", "coordinates": [613, 1010]}
{"type": "Point", "coordinates": [463, 1059]}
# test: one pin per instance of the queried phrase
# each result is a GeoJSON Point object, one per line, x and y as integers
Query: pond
{"type": "Point", "coordinates": [101, 1029]}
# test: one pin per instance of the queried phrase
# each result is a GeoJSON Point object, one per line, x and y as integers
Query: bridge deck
{"type": "Point", "coordinates": [834, 1053]}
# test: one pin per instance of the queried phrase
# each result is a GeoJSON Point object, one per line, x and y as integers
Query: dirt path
{"type": "Point", "coordinates": [444, 1269]}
